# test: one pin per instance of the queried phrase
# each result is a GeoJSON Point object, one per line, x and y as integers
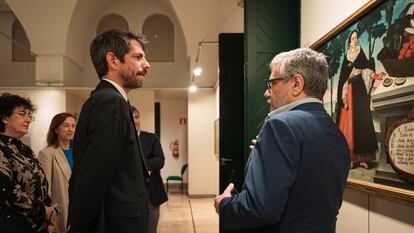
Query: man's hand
{"type": "Point", "coordinates": [226, 193]}
{"type": "Point", "coordinates": [253, 143]}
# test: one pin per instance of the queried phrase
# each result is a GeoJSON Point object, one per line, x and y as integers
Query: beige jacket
{"type": "Point", "coordinates": [56, 167]}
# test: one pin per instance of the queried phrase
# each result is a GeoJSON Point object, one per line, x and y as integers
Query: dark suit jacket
{"type": "Point", "coordinates": [295, 176]}
{"type": "Point", "coordinates": [154, 156]}
{"type": "Point", "coordinates": [108, 187]}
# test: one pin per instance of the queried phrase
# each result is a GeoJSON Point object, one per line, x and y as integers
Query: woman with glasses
{"type": "Point", "coordinates": [25, 206]}
{"type": "Point", "coordinates": [57, 162]}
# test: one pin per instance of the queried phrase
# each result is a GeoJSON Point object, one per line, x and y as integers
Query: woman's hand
{"type": "Point", "coordinates": [378, 76]}
{"type": "Point", "coordinates": [50, 217]}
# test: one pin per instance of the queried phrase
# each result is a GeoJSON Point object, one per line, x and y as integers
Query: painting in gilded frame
{"type": "Point", "coordinates": [371, 91]}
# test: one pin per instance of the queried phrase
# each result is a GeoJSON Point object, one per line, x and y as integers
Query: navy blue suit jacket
{"type": "Point", "coordinates": [295, 176]}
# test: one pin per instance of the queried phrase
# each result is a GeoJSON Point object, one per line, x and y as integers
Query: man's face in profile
{"type": "Point", "coordinates": [135, 66]}
{"type": "Point", "coordinates": [279, 90]}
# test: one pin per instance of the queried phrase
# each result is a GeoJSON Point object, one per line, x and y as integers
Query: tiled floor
{"type": "Point", "coordinates": [187, 215]}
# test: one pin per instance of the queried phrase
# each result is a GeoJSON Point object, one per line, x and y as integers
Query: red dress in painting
{"type": "Point", "coordinates": [354, 116]}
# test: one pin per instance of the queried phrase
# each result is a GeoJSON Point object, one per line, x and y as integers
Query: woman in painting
{"type": "Point", "coordinates": [354, 116]}
{"type": "Point", "coordinates": [57, 161]}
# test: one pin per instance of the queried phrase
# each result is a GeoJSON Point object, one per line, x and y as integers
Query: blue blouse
{"type": "Point", "coordinates": [69, 157]}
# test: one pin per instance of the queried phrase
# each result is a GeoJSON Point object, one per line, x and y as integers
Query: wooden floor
{"type": "Point", "coordinates": [187, 215]}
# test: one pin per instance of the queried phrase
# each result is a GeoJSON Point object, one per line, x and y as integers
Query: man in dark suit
{"type": "Point", "coordinates": [296, 172]}
{"type": "Point", "coordinates": [155, 159]}
{"type": "Point", "coordinates": [108, 187]}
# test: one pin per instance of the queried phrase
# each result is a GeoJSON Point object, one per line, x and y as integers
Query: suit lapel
{"type": "Point", "coordinates": [62, 163]}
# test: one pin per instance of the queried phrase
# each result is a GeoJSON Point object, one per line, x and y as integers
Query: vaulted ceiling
{"type": "Point", "coordinates": [66, 28]}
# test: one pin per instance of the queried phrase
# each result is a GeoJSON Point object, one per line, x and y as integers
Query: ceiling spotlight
{"type": "Point", "coordinates": [193, 88]}
{"type": "Point", "coordinates": [197, 71]}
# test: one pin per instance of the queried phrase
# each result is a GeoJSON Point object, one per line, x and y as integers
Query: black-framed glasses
{"type": "Point", "coordinates": [272, 81]}
{"type": "Point", "coordinates": [23, 115]}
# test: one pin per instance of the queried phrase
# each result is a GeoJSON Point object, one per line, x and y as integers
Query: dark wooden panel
{"type": "Point", "coordinates": [271, 27]}
{"type": "Point", "coordinates": [231, 79]}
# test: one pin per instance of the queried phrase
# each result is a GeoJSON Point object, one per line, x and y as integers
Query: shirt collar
{"type": "Point", "coordinates": [288, 107]}
{"type": "Point", "coordinates": [118, 87]}
{"type": "Point", "coordinates": [8, 139]}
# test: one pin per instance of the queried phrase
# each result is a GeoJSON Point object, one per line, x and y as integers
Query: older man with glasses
{"type": "Point", "coordinates": [296, 173]}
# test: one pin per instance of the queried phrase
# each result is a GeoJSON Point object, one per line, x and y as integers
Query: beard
{"type": "Point", "coordinates": [271, 107]}
{"type": "Point", "coordinates": [133, 81]}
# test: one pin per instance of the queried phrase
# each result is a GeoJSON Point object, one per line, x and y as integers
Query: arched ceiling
{"type": "Point", "coordinates": [66, 27]}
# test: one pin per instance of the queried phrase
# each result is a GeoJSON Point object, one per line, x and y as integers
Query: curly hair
{"type": "Point", "coordinates": [8, 102]}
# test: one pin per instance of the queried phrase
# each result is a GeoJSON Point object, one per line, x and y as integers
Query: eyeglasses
{"type": "Point", "coordinates": [23, 115]}
{"type": "Point", "coordinates": [272, 81]}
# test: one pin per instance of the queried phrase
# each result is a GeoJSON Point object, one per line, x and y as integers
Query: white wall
{"type": "Point", "coordinates": [144, 101]}
{"type": "Point", "coordinates": [74, 103]}
{"type": "Point", "coordinates": [360, 212]}
{"type": "Point", "coordinates": [46, 30]}
{"type": "Point", "coordinates": [171, 130]}
{"type": "Point", "coordinates": [318, 17]}
{"type": "Point", "coordinates": [203, 166]}
{"type": "Point", "coordinates": [12, 74]}
{"type": "Point", "coordinates": [6, 22]}
{"type": "Point", "coordinates": [215, 16]}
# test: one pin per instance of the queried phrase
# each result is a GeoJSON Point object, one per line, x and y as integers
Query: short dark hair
{"type": "Point", "coordinates": [57, 120]}
{"type": "Point", "coordinates": [8, 102]}
{"type": "Point", "coordinates": [115, 41]}
{"type": "Point", "coordinates": [134, 109]}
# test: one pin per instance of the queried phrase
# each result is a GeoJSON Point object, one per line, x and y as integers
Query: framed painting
{"type": "Point", "coordinates": [371, 95]}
